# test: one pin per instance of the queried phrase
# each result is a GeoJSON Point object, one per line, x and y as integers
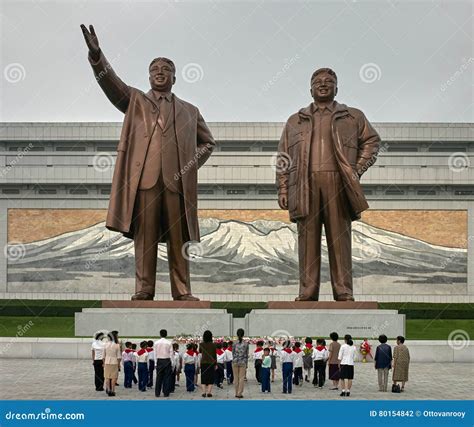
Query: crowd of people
{"type": "Point", "coordinates": [160, 364]}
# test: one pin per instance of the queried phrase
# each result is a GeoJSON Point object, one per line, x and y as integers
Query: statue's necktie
{"type": "Point", "coordinates": [163, 105]}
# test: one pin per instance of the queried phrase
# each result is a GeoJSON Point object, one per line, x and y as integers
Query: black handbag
{"type": "Point", "coordinates": [395, 388]}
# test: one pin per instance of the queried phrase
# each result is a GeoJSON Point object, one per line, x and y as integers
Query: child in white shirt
{"type": "Point", "coordinates": [287, 357]}
{"type": "Point", "coordinates": [320, 356]}
{"type": "Point", "coordinates": [298, 365]}
{"type": "Point", "coordinates": [142, 366]}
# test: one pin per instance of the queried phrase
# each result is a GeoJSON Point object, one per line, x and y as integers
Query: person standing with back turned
{"type": "Point", "coordinates": [240, 357]}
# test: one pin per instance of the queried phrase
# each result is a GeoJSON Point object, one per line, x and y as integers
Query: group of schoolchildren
{"type": "Point", "coordinates": [142, 362]}
{"type": "Point", "coordinates": [295, 359]}
{"type": "Point", "coordinates": [297, 363]}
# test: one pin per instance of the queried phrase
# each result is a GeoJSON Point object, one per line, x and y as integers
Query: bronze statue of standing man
{"type": "Point", "coordinates": [153, 199]}
{"type": "Point", "coordinates": [324, 150]}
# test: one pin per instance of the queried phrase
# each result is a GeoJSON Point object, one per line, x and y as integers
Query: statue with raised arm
{"type": "Point", "coordinates": [164, 141]}
{"type": "Point", "coordinates": [324, 150]}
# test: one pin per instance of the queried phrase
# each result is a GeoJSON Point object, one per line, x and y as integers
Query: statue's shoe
{"type": "Point", "coordinates": [187, 297]}
{"type": "Point", "coordinates": [303, 298]}
{"type": "Point", "coordinates": [142, 296]}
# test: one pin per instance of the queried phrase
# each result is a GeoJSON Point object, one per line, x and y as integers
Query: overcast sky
{"type": "Point", "coordinates": [242, 61]}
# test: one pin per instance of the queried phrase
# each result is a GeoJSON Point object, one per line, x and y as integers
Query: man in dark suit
{"type": "Point", "coordinates": [153, 199]}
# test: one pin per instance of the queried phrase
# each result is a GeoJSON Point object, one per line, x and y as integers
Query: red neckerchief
{"type": "Point", "coordinates": [128, 350]}
{"type": "Point", "coordinates": [229, 348]}
{"type": "Point", "coordinates": [320, 348]}
{"type": "Point", "coordinates": [149, 349]}
{"type": "Point", "coordinates": [297, 350]}
{"type": "Point", "coordinates": [219, 351]}
{"type": "Point", "coordinates": [258, 349]}
{"type": "Point", "coordinates": [190, 352]}
{"type": "Point", "coordinates": [308, 345]}
{"type": "Point", "coordinates": [196, 352]}
{"type": "Point", "coordinates": [288, 350]}
{"type": "Point", "coordinates": [141, 351]}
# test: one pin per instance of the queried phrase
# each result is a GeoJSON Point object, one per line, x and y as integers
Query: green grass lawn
{"type": "Point", "coordinates": [63, 327]}
{"type": "Point", "coordinates": [439, 329]}
{"type": "Point", "coordinates": [60, 327]}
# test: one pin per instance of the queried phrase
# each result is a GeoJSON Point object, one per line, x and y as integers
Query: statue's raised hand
{"type": "Point", "coordinates": [91, 40]}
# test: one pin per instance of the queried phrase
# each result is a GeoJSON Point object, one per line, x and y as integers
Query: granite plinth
{"type": "Point", "coordinates": [317, 305]}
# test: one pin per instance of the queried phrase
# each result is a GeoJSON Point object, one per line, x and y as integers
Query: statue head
{"type": "Point", "coordinates": [323, 84]}
{"type": "Point", "coordinates": [162, 74]}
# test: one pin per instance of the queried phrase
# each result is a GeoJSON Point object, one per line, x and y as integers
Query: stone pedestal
{"type": "Point", "coordinates": [147, 322]}
{"type": "Point", "coordinates": [294, 318]}
{"type": "Point", "coordinates": [368, 323]}
{"type": "Point", "coordinates": [317, 305]}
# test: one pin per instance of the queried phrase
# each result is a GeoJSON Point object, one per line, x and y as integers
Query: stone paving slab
{"type": "Point", "coordinates": [58, 379]}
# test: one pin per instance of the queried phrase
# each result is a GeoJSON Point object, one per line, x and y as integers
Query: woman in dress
{"type": "Point", "coordinates": [333, 362]}
{"type": "Point", "coordinates": [112, 357]}
{"type": "Point", "coordinates": [401, 361]}
{"type": "Point", "coordinates": [207, 349]}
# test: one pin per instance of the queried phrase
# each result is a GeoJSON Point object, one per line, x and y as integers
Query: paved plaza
{"type": "Point", "coordinates": [44, 379]}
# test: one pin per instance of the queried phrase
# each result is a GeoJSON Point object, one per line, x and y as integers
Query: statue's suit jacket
{"type": "Point", "coordinates": [356, 144]}
{"type": "Point", "coordinates": [194, 140]}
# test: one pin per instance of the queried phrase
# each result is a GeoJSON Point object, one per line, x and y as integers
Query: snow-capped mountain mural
{"type": "Point", "coordinates": [259, 256]}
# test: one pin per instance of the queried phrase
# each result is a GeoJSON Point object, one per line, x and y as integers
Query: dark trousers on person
{"type": "Point", "coordinates": [189, 373]}
{"type": "Point", "coordinates": [142, 376]}
{"type": "Point", "coordinates": [134, 377]}
{"type": "Point", "coordinates": [99, 375]}
{"type": "Point", "coordinates": [258, 370]}
{"type": "Point", "coordinates": [128, 374]}
{"type": "Point", "coordinates": [298, 376]}
{"type": "Point", "coordinates": [151, 370]}
{"type": "Point", "coordinates": [174, 374]}
{"type": "Point", "coordinates": [265, 379]}
{"type": "Point", "coordinates": [163, 377]}
{"type": "Point", "coordinates": [319, 373]}
{"type": "Point", "coordinates": [229, 372]}
{"type": "Point", "coordinates": [219, 374]}
{"type": "Point", "coordinates": [287, 371]}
